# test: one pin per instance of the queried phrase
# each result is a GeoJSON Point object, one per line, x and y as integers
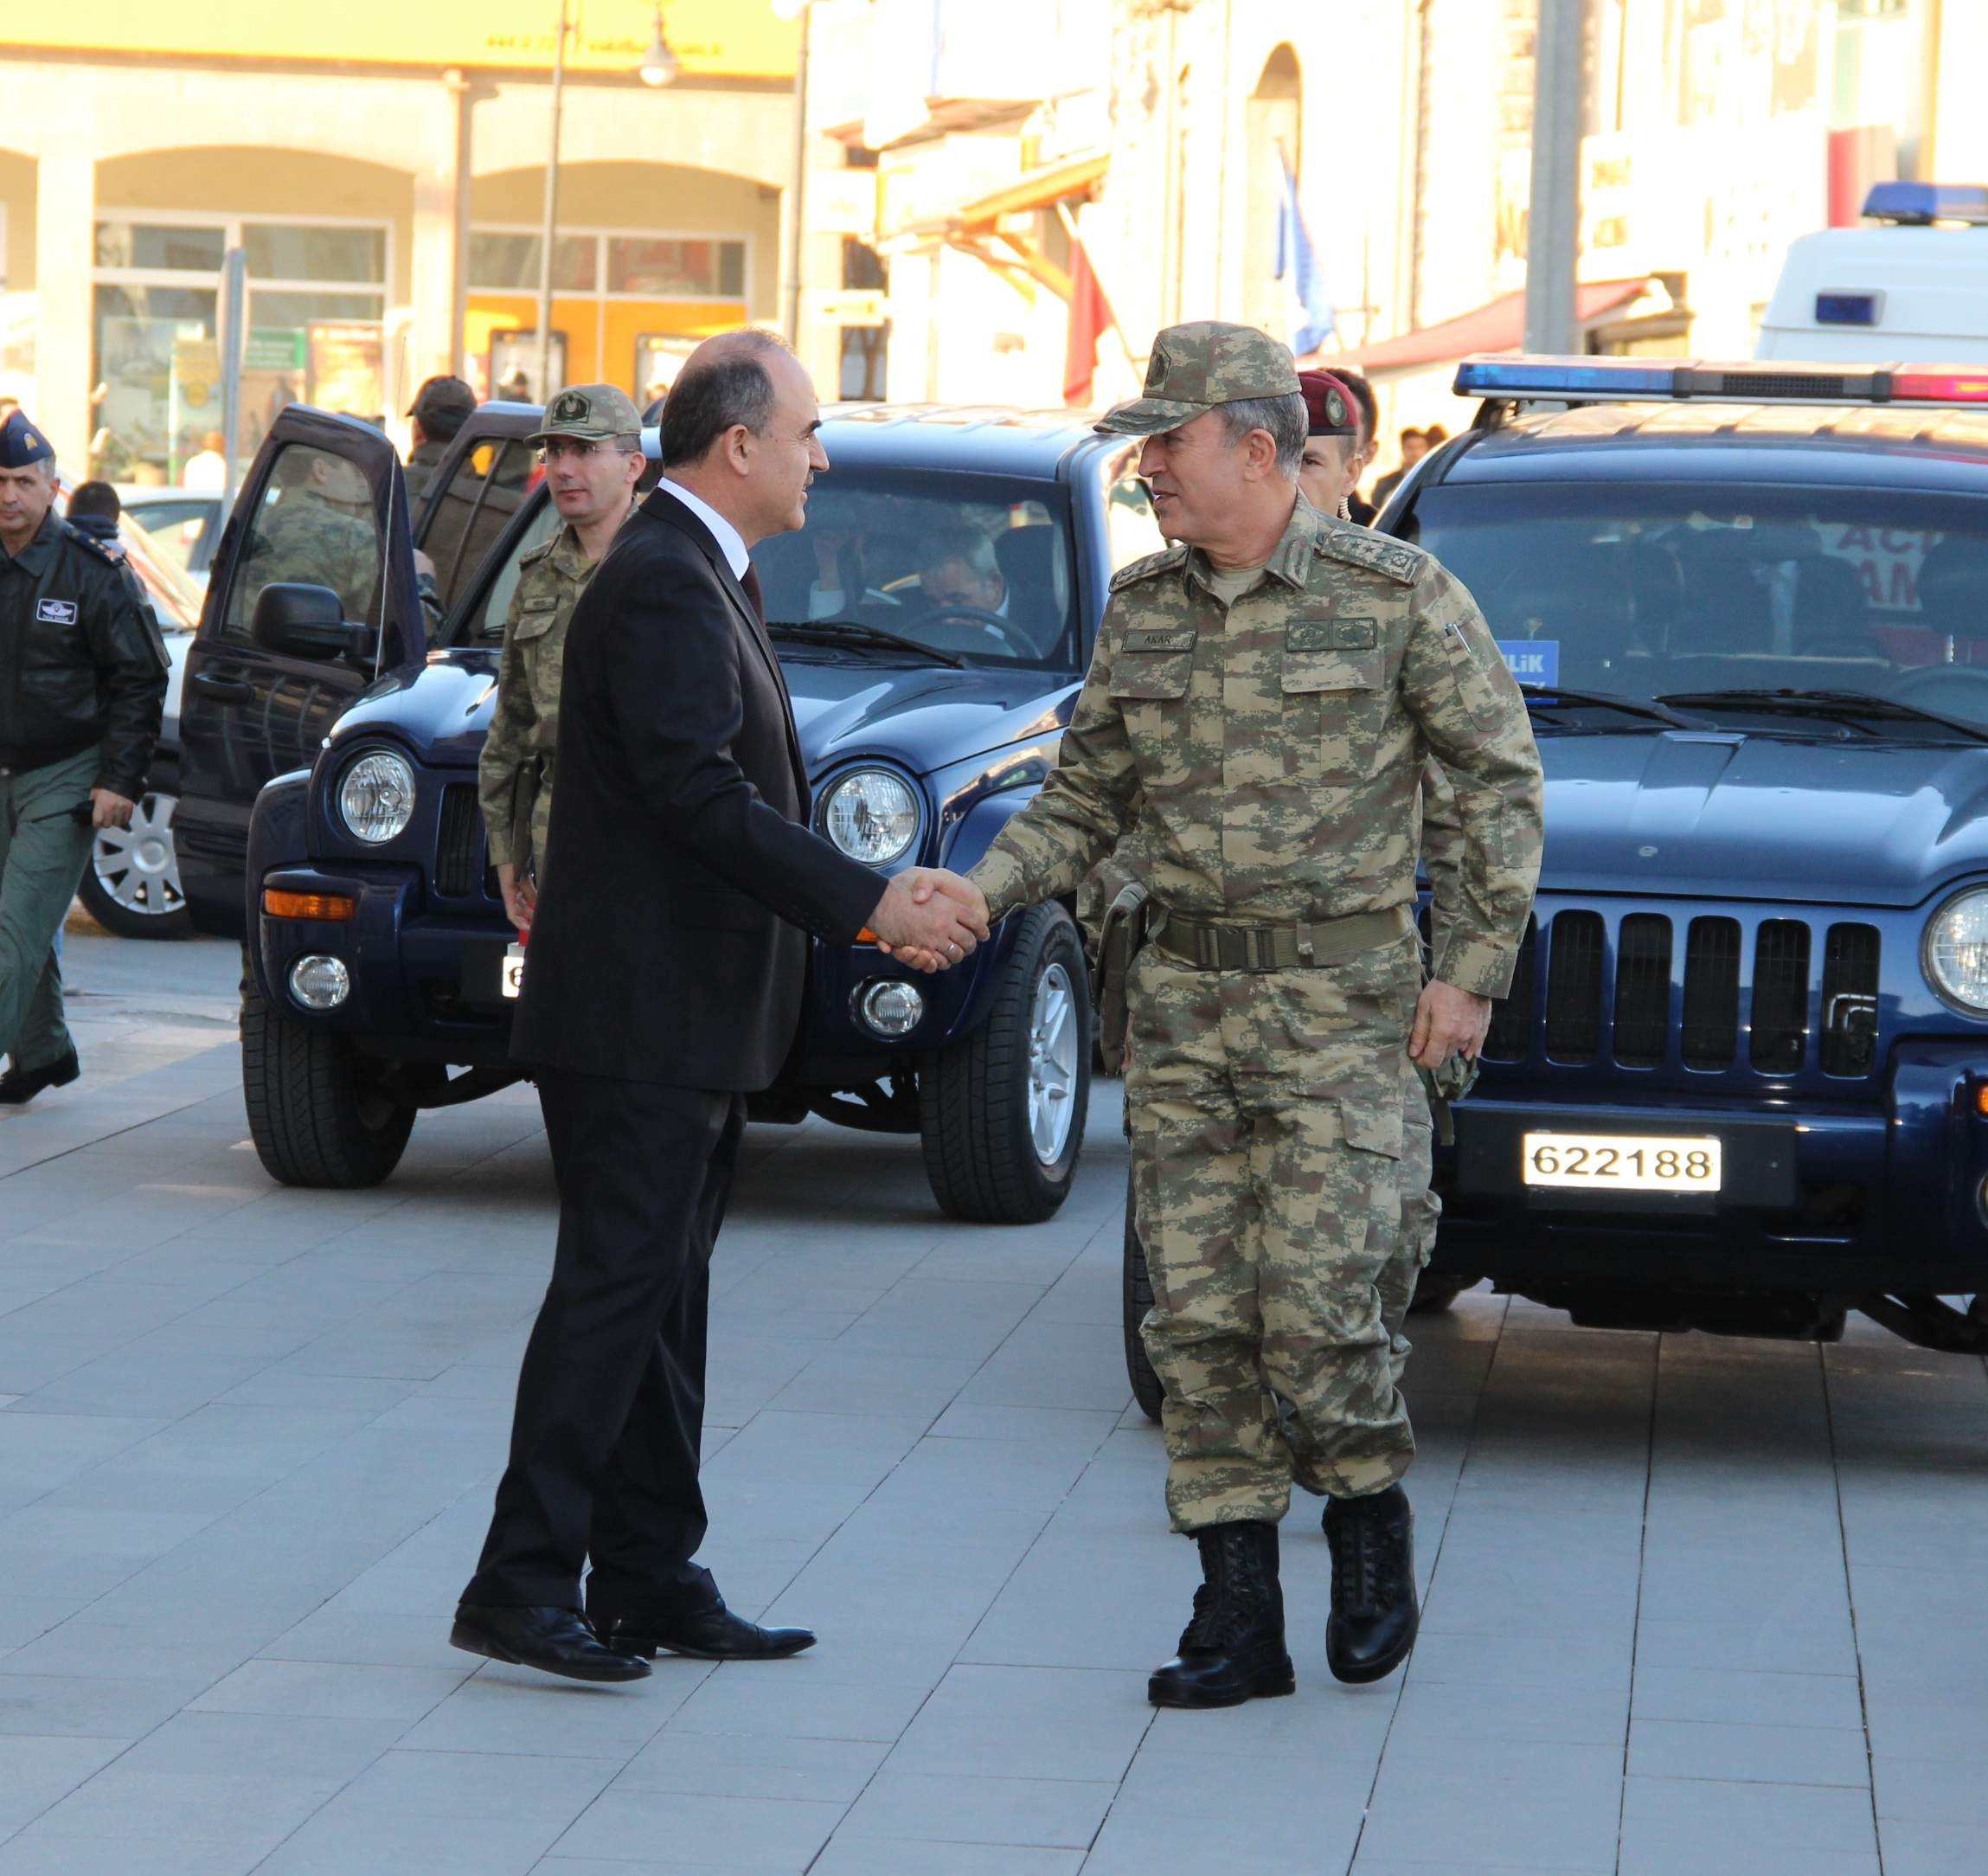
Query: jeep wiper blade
{"type": "Point", "coordinates": [1549, 694]}
{"type": "Point", "coordinates": [1834, 705]}
{"type": "Point", "coordinates": [851, 631]}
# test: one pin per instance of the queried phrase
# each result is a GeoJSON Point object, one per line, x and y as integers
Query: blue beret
{"type": "Point", "coordinates": [21, 443]}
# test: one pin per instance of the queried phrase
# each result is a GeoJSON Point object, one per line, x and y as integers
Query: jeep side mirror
{"type": "Point", "coordinates": [301, 621]}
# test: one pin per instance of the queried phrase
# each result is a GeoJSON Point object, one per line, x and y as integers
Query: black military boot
{"type": "Point", "coordinates": [1373, 1616]}
{"type": "Point", "coordinates": [1233, 1647]}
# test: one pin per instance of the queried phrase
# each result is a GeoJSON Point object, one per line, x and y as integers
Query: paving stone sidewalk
{"type": "Point", "coordinates": [1693, 1606]}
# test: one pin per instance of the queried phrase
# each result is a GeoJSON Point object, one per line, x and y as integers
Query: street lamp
{"type": "Point", "coordinates": [659, 65]}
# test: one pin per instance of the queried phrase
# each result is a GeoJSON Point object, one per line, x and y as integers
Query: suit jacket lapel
{"type": "Point", "coordinates": [669, 509]}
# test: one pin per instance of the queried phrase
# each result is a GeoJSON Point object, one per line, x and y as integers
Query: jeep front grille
{"type": "Point", "coordinates": [1744, 995]}
{"type": "Point", "coordinates": [458, 847]}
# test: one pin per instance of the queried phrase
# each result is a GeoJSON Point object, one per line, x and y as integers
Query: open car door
{"type": "Point", "coordinates": [324, 505]}
{"type": "Point", "coordinates": [478, 490]}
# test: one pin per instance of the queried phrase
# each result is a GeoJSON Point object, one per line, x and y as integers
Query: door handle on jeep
{"type": "Point", "coordinates": [221, 689]}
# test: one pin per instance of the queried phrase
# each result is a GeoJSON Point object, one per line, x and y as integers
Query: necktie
{"type": "Point", "coordinates": [750, 580]}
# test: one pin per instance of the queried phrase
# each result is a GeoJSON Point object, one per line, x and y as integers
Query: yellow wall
{"type": "Point", "coordinates": [729, 38]}
{"type": "Point", "coordinates": [17, 191]}
{"type": "Point", "coordinates": [582, 320]}
{"type": "Point", "coordinates": [291, 183]}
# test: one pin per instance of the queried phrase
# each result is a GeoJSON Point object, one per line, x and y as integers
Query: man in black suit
{"type": "Point", "coordinates": [654, 1001]}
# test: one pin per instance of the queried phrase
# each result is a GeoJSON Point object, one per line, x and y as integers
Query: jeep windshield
{"type": "Point", "coordinates": [926, 566]}
{"type": "Point", "coordinates": [1772, 609]}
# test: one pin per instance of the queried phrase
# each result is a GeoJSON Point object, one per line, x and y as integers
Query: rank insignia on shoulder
{"type": "Point", "coordinates": [1379, 553]}
{"type": "Point", "coordinates": [1144, 569]}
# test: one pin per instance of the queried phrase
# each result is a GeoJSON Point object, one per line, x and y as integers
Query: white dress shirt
{"type": "Point", "coordinates": [730, 543]}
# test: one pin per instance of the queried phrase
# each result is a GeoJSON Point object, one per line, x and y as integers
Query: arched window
{"type": "Point", "coordinates": [1273, 124]}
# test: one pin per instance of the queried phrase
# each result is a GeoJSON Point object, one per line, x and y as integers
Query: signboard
{"type": "Point", "coordinates": [712, 38]}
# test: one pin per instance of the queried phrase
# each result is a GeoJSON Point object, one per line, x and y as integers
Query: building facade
{"type": "Point", "coordinates": [383, 170]}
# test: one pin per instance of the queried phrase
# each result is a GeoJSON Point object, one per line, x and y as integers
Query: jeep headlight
{"type": "Point", "coordinates": [872, 815]}
{"type": "Point", "coordinates": [376, 797]}
{"type": "Point", "coordinates": [1957, 951]}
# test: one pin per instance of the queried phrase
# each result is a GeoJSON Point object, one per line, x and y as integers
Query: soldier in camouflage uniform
{"type": "Point", "coordinates": [319, 531]}
{"type": "Point", "coordinates": [592, 449]}
{"type": "Point", "coordinates": [1250, 740]}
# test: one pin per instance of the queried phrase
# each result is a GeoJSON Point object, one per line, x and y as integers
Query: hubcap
{"type": "Point", "coordinates": [1051, 1064]}
{"type": "Point", "coordinates": [137, 866]}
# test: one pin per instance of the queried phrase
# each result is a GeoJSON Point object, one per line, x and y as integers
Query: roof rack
{"type": "Point", "coordinates": [1622, 381]}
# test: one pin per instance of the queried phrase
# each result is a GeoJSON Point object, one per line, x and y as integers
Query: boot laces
{"type": "Point", "coordinates": [1366, 1564]}
{"type": "Point", "coordinates": [1228, 1606]}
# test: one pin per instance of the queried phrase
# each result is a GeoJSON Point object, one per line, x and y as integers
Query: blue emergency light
{"type": "Point", "coordinates": [1609, 381]}
{"type": "Point", "coordinates": [1849, 309]}
{"type": "Point", "coordinates": [1921, 204]}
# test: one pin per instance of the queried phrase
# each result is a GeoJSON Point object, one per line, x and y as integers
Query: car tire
{"type": "Point", "coordinates": [131, 885]}
{"type": "Point", "coordinates": [1138, 1298]}
{"type": "Point", "coordinates": [316, 1111]}
{"type": "Point", "coordinates": [1434, 1294]}
{"type": "Point", "coordinates": [1002, 1111]}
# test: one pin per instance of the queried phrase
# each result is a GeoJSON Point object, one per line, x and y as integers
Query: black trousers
{"type": "Point", "coordinates": [611, 1399]}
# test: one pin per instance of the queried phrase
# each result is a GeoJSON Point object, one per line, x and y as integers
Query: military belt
{"type": "Point", "coordinates": [1210, 947]}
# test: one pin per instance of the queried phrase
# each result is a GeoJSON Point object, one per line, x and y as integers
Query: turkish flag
{"type": "Point", "coordinates": [1090, 319]}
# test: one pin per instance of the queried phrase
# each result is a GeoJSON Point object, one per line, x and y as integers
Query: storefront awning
{"type": "Point", "coordinates": [981, 227]}
{"type": "Point", "coordinates": [1498, 326]}
{"type": "Point", "coordinates": [1040, 189]}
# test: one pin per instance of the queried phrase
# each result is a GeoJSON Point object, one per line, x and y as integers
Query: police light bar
{"type": "Point", "coordinates": [1633, 380]}
{"type": "Point", "coordinates": [1921, 204]}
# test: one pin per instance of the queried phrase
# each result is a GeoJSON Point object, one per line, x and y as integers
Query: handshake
{"type": "Point", "coordinates": [929, 918]}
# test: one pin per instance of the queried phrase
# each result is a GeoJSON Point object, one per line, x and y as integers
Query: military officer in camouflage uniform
{"type": "Point", "coordinates": [592, 449]}
{"type": "Point", "coordinates": [1250, 740]}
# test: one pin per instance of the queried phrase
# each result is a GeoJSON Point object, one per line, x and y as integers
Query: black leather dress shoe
{"type": "Point", "coordinates": [1233, 1649]}
{"type": "Point", "coordinates": [710, 1635]}
{"type": "Point", "coordinates": [554, 1640]}
{"type": "Point", "coordinates": [1374, 1614]}
{"type": "Point", "coordinates": [20, 1086]}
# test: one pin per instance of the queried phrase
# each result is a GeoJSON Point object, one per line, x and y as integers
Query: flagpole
{"type": "Point", "coordinates": [1069, 223]}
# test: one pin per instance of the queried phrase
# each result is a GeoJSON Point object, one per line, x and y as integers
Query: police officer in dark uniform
{"type": "Point", "coordinates": [82, 684]}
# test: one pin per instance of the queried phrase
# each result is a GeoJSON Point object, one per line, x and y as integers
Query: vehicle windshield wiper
{"type": "Point", "coordinates": [1833, 705]}
{"type": "Point", "coordinates": [1549, 694]}
{"type": "Point", "coordinates": [853, 633]}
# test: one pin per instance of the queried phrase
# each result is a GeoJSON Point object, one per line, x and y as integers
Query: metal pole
{"type": "Point", "coordinates": [1553, 226]}
{"type": "Point", "coordinates": [234, 299]}
{"type": "Point", "coordinates": [796, 245]}
{"type": "Point", "coordinates": [465, 91]}
{"type": "Point", "coordinates": [551, 217]}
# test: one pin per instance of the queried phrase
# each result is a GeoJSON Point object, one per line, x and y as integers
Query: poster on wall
{"type": "Point", "coordinates": [514, 366]}
{"type": "Point", "coordinates": [344, 367]}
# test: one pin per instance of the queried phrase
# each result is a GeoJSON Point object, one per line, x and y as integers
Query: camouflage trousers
{"type": "Point", "coordinates": [1268, 1114]}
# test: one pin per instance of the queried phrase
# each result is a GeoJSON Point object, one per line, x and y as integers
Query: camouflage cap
{"type": "Point", "coordinates": [1194, 368]}
{"type": "Point", "coordinates": [594, 412]}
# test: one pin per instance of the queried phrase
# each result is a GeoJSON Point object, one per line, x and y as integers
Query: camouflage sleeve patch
{"type": "Point", "coordinates": [1380, 553]}
{"type": "Point", "coordinates": [1145, 568]}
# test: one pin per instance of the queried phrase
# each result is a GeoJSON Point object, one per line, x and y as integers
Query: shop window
{"type": "Point", "coordinates": [143, 244]}
{"type": "Point", "coordinates": [508, 263]}
{"type": "Point", "coordinates": [279, 252]}
{"type": "Point", "coordinates": [671, 268]}
{"type": "Point", "coordinates": [154, 359]}
{"type": "Point", "coordinates": [862, 267]}
{"type": "Point", "coordinates": [864, 349]}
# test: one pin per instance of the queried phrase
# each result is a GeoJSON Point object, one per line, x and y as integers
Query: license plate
{"type": "Point", "coordinates": [512, 982]}
{"type": "Point", "coordinates": [1622, 1162]}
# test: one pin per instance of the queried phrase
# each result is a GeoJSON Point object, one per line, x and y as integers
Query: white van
{"type": "Point", "coordinates": [1908, 292]}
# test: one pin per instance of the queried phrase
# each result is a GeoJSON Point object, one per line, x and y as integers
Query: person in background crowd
{"type": "Point", "coordinates": [1415, 447]}
{"type": "Point", "coordinates": [1358, 508]}
{"type": "Point", "coordinates": [440, 409]}
{"type": "Point", "coordinates": [592, 449]}
{"type": "Point", "coordinates": [95, 507]}
{"type": "Point", "coordinates": [74, 746]}
{"type": "Point", "coordinates": [206, 469]}
{"type": "Point", "coordinates": [1330, 465]}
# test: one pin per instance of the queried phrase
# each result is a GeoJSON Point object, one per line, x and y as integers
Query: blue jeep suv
{"type": "Point", "coordinates": [1741, 1082]}
{"type": "Point", "coordinates": [331, 731]}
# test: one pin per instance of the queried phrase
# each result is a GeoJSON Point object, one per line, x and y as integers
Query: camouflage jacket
{"type": "Point", "coordinates": [1262, 762]}
{"type": "Point", "coordinates": [304, 537]}
{"type": "Point", "coordinates": [514, 773]}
